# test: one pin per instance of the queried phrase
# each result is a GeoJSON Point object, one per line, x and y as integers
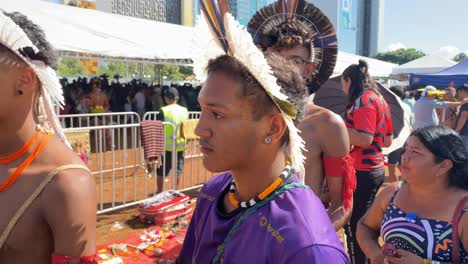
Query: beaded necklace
{"type": "Point", "coordinates": [17, 173]}
{"type": "Point", "coordinates": [247, 204]}
{"type": "Point", "coordinates": [12, 157]}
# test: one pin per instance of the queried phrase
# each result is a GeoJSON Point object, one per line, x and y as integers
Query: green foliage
{"type": "Point", "coordinates": [113, 68]}
{"type": "Point", "coordinates": [400, 56]}
{"type": "Point", "coordinates": [186, 70]}
{"type": "Point", "coordinates": [460, 57]}
{"type": "Point", "coordinates": [70, 67]}
{"type": "Point", "coordinates": [172, 72]}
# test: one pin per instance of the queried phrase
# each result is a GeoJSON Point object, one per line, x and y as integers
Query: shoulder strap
{"type": "Point", "coordinates": [455, 239]}
{"type": "Point", "coordinates": [396, 191]}
{"type": "Point", "coordinates": [33, 197]}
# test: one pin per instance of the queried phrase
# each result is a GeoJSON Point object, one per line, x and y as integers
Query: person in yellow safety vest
{"type": "Point", "coordinates": [175, 115]}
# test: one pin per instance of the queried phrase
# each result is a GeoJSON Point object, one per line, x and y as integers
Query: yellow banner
{"type": "Point", "coordinates": [90, 67]}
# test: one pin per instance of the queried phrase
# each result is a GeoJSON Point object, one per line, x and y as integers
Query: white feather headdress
{"type": "Point", "coordinates": [218, 33]}
{"type": "Point", "coordinates": [15, 39]}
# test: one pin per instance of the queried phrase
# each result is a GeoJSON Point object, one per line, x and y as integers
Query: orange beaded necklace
{"type": "Point", "coordinates": [8, 159]}
{"type": "Point", "coordinates": [15, 175]}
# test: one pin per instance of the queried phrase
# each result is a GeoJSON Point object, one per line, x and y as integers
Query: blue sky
{"type": "Point", "coordinates": [427, 25]}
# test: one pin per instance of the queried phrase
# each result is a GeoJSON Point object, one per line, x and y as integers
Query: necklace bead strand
{"type": "Point", "coordinates": [246, 204]}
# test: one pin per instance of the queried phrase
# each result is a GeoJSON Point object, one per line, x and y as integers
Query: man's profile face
{"type": "Point", "coordinates": [228, 133]}
{"type": "Point", "coordinates": [299, 56]}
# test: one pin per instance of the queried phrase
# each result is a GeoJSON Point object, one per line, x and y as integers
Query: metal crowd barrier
{"type": "Point", "coordinates": [194, 174]}
{"type": "Point", "coordinates": [103, 119]}
{"type": "Point", "coordinates": [115, 158]}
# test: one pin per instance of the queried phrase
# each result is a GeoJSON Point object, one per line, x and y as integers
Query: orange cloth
{"type": "Point", "coordinates": [188, 129]}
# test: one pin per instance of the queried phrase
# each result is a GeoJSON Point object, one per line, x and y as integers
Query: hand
{"type": "Point", "coordinates": [378, 259]}
{"type": "Point", "coordinates": [405, 258]}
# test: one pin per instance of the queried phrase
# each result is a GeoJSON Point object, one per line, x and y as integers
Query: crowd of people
{"type": "Point", "coordinates": [432, 107]}
{"type": "Point", "coordinates": [100, 95]}
{"type": "Point", "coordinates": [281, 195]}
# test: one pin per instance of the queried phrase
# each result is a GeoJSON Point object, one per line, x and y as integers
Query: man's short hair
{"type": "Point", "coordinates": [288, 78]}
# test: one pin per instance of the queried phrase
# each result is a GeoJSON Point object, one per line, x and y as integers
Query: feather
{"type": "Point", "coordinates": [214, 17]}
{"type": "Point", "coordinates": [242, 47]}
{"type": "Point", "coordinates": [223, 6]}
{"type": "Point", "coordinates": [296, 148]}
{"type": "Point", "coordinates": [292, 8]}
{"type": "Point", "coordinates": [16, 40]}
{"type": "Point", "coordinates": [265, 24]}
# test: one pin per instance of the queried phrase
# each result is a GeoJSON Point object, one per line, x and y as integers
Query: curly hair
{"type": "Point", "coordinates": [37, 37]}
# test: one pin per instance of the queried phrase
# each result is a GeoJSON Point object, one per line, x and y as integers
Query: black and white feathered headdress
{"type": "Point", "coordinates": [282, 18]}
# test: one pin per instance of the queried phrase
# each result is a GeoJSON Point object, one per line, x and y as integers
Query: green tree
{"type": "Point", "coordinates": [400, 56]}
{"type": "Point", "coordinates": [113, 68]}
{"type": "Point", "coordinates": [70, 67]}
{"type": "Point", "coordinates": [460, 57]}
{"type": "Point", "coordinates": [186, 70]}
{"type": "Point", "coordinates": [172, 72]}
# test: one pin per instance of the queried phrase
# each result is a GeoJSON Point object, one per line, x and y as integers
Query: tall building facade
{"type": "Point", "coordinates": [359, 23]}
{"type": "Point", "coordinates": [169, 11]}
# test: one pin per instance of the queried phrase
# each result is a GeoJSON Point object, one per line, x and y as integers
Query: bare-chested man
{"type": "Point", "coordinates": [301, 33]}
{"type": "Point", "coordinates": [98, 100]}
{"type": "Point", "coordinates": [47, 195]}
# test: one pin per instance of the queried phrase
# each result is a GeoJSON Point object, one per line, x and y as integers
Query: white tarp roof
{"type": "Point", "coordinates": [377, 68]}
{"type": "Point", "coordinates": [93, 34]}
{"type": "Point", "coordinates": [427, 64]}
{"type": "Point", "coordinates": [82, 31]}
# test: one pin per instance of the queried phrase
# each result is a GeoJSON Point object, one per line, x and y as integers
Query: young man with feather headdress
{"type": "Point", "coordinates": [257, 211]}
{"type": "Point", "coordinates": [47, 195]}
{"type": "Point", "coordinates": [301, 33]}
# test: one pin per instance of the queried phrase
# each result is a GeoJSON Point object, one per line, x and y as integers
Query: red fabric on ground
{"type": "Point", "coordinates": [171, 247]}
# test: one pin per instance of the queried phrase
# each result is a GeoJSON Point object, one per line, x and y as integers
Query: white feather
{"type": "Point", "coordinates": [296, 147]}
{"type": "Point", "coordinates": [14, 38]}
{"type": "Point", "coordinates": [204, 48]}
{"type": "Point", "coordinates": [244, 50]}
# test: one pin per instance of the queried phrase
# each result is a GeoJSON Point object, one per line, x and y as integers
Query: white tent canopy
{"type": "Point", "coordinates": [93, 34]}
{"type": "Point", "coordinates": [427, 64]}
{"type": "Point", "coordinates": [377, 68]}
{"type": "Point", "coordinates": [83, 33]}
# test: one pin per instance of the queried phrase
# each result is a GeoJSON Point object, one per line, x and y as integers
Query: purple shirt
{"type": "Point", "coordinates": [293, 228]}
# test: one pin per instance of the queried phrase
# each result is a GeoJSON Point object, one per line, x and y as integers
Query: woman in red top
{"type": "Point", "coordinates": [370, 128]}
